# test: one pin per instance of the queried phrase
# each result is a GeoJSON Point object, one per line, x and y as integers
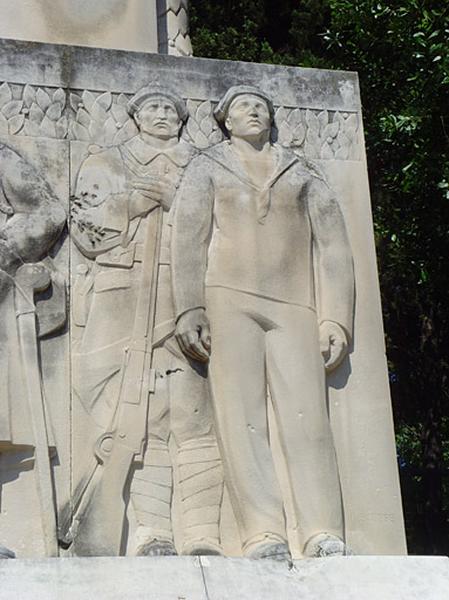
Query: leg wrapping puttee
{"type": "Point", "coordinates": [201, 493]}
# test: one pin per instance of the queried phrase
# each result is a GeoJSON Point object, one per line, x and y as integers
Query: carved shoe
{"type": "Point", "coordinates": [270, 546]}
{"type": "Point", "coordinates": [156, 547]}
{"type": "Point", "coordinates": [5, 553]}
{"type": "Point", "coordinates": [325, 544]}
{"type": "Point", "coordinates": [202, 547]}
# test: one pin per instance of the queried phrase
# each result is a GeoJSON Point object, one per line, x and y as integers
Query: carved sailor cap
{"type": "Point", "coordinates": [153, 91]}
{"type": "Point", "coordinates": [221, 112]}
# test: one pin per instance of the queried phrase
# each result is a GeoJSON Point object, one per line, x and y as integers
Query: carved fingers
{"type": "Point", "coordinates": [193, 334]}
{"type": "Point", "coordinates": [333, 344]}
{"type": "Point", "coordinates": [158, 189]}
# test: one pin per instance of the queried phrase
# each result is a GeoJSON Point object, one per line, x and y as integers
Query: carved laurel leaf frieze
{"type": "Point", "coordinates": [33, 111]}
{"type": "Point", "coordinates": [319, 134]}
{"type": "Point", "coordinates": [101, 118]}
{"type": "Point", "coordinates": [202, 129]}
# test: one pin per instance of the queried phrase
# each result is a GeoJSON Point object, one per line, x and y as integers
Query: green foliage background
{"type": "Point", "coordinates": [400, 50]}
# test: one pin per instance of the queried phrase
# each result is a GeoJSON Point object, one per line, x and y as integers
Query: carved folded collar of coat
{"type": "Point", "coordinates": [225, 156]}
{"type": "Point", "coordinates": [180, 154]}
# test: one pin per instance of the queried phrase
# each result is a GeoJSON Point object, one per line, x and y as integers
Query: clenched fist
{"type": "Point", "coordinates": [193, 334]}
{"type": "Point", "coordinates": [333, 344]}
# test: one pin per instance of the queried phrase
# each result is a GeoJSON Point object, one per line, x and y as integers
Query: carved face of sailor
{"type": "Point", "coordinates": [248, 116]}
{"type": "Point", "coordinates": [159, 118]}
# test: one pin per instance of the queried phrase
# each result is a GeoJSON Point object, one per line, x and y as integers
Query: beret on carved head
{"type": "Point", "coordinates": [221, 112]}
{"type": "Point", "coordinates": [154, 91]}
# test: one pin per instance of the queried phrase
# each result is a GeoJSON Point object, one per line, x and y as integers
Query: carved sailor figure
{"type": "Point", "coordinates": [124, 313]}
{"type": "Point", "coordinates": [264, 290]}
{"type": "Point", "coordinates": [31, 221]}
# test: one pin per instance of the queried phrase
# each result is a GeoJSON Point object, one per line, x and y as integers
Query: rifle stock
{"type": "Point", "coordinates": [97, 527]}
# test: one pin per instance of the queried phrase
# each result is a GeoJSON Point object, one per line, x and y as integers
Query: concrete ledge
{"type": "Point", "coordinates": [215, 578]}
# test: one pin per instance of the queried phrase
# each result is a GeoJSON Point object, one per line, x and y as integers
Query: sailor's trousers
{"type": "Point", "coordinates": [259, 342]}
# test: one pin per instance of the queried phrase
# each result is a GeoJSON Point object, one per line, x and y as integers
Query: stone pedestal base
{"type": "Point", "coordinates": [215, 578]}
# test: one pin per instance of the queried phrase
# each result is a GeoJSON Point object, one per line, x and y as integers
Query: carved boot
{"type": "Point", "coordinates": [151, 495]}
{"type": "Point", "coordinates": [201, 493]}
{"type": "Point", "coordinates": [6, 553]}
{"type": "Point", "coordinates": [325, 544]}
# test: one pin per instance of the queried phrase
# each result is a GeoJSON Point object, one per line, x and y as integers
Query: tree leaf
{"type": "Point", "coordinates": [326, 151]}
{"type": "Point", "coordinates": [75, 101]}
{"type": "Point", "coordinates": [5, 94]}
{"type": "Point", "coordinates": [47, 128]}
{"type": "Point", "coordinates": [79, 132]}
{"type": "Point", "coordinates": [29, 95]}
{"type": "Point", "coordinates": [122, 100]}
{"type": "Point", "coordinates": [61, 127]}
{"type": "Point", "coordinates": [4, 129]}
{"type": "Point", "coordinates": [330, 131]}
{"type": "Point", "coordinates": [97, 132]}
{"type": "Point", "coordinates": [31, 129]}
{"type": "Point", "coordinates": [204, 111]}
{"type": "Point", "coordinates": [12, 108]}
{"type": "Point", "coordinates": [88, 100]}
{"type": "Point", "coordinates": [323, 118]}
{"type": "Point", "coordinates": [43, 99]}
{"type": "Point", "coordinates": [15, 124]}
{"type": "Point", "coordinates": [351, 125]}
{"type": "Point", "coordinates": [104, 101]}
{"type": "Point", "coordinates": [299, 135]}
{"type": "Point", "coordinates": [294, 118]}
{"type": "Point", "coordinates": [110, 130]}
{"type": "Point", "coordinates": [54, 111]}
{"type": "Point", "coordinates": [285, 134]}
{"type": "Point", "coordinates": [120, 114]}
{"type": "Point", "coordinates": [124, 134]}
{"type": "Point", "coordinates": [60, 97]}
{"type": "Point", "coordinates": [312, 122]}
{"type": "Point", "coordinates": [83, 117]}
{"type": "Point", "coordinates": [36, 114]}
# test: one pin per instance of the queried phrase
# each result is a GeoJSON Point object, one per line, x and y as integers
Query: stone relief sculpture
{"type": "Point", "coordinates": [264, 291]}
{"type": "Point", "coordinates": [124, 323]}
{"type": "Point", "coordinates": [32, 301]}
{"type": "Point", "coordinates": [126, 459]}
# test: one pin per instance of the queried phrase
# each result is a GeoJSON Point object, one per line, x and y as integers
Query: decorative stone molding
{"type": "Point", "coordinates": [101, 118]}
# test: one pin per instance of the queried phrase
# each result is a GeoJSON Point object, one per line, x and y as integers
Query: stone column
{"type": "Point", "coordinates": [173, 27]}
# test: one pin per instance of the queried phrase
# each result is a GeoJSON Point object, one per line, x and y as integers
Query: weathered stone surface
{"type": "Point", "coordinates": [67, 111]}
{"type": "Point", "coordinates": [139, 25]}
{"type": "Point", "coordinates": [125, 24]}
{"type": "Point", "coordinates": [373, 578]}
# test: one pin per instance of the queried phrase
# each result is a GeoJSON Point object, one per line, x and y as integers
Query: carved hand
{"type": "Point", "coordinates": [333, 344]}
{"type": "Point", "coordinates": [156, 189]}
{"type": "Point", "coordinates": [193, 334]}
